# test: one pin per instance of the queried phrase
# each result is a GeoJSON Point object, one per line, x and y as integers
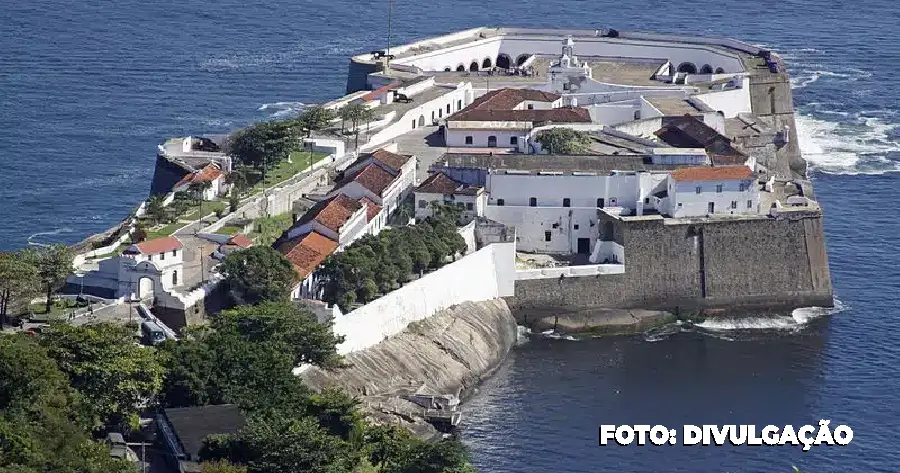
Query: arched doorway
{"type": "Point", "coordinates": [720, 70]}
{"type": "Point", "coordinates": [503, 61]}
{"type": "Point", "coordinates": [447, 69]}
{"type": "Point", "coordinates": [706, 69]}
{"type": "Point", "coordinates": [421, 120]}
{"type": "Point", "coordinates": [460, 68]}
{"type": "Point", "coordinates": [687, 67]}
{"type": "Point", "coordinates": [492, 141]}
{"type": "Point", "coordinates": [521, 59]}
{"type": "Point", "coordinates": [145, 288]}
{"type": "Point", "coordinates": [486, 64]}
{"type": "Point", "coordinates": [473, 67]}
{"type": "Point", "coordinates": [174, 278]}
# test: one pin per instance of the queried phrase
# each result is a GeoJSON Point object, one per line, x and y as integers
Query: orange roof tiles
{"type": "Point", "coordinates": [209, 173]}
{"type": "Point", "coordinates": [375, 93]}
{"type": "Point", "coordinates": [157, 245]}
{"type": "Point", "coordinates": [372, 208]}
{"type": "Point", "coordinates": [392, 160]}
{"type": "Point", "coordinates": [240, 240]}
{"type": "Point", "coordinates": [373, 178]}
{"type": "Point", "coordinates": [712, 173]}
{"type": "Point", "coordinates": [440, 183]}
{"type": "Point", "coordinates": [501, 104]}
{"type": "Point", "coordinates": [336, 212]}
{"type": "Point", "coordinates": [307, 253]}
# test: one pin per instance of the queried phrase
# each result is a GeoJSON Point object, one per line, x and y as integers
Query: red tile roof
{"type": "Point", "coordinates": [440, 183]}
{"type": "Point", "coordinates": [336, 212]}
{"type": "Point", "coordinates": [713, 173]}
{"type": "Point", "coordinates": [157, 245]}
{"type": "Point", "coordinates": [240, 240]}
{"type": "Point", "coordinates": [208, 174]}
{"type": "Point", "coordinates": [308, 252]}
{"type": "Point", "coordinates": [372, 208]}
{"type": "Point", "coordinates": [501, 104]}
{"type": "Point", "coordinates": [392, 160]}
{"type": "Point", "coordinates": [373, 178]}
{"type": "Point", "coordinates": [371, 95]}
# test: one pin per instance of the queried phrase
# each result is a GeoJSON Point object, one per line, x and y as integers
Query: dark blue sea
{"type": "Point", "coordinates": [88, 89]}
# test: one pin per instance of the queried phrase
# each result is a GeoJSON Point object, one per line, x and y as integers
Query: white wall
{"type": "Point", "coordinates": [456, 138]}
{"type": "Point", "coordinates": [645, 127]}
{"type": "Point", "coordinates": [570, 271]}
{"type": "Point", "coordinates": [404, 124]}
{"type": "Point", "coordinates": [615, 112]}
{"type": "Point", "coordinates": [532, 223]}
{"type": "Point", "coordinates": [686, 202]}
{"type": "Point", "coordinates": [486, 274]}
{"type": "Point", "coordinates": [470, 205]}
{"type": "Point", "coordinates": [608, 251]}
{"type": "Point", "coordinates": [583, 191]}
{"type": "Point", "coordinates": [730, 102]}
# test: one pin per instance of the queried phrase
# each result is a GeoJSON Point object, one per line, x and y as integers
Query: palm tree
{"type": "Point", "coordinates": [156, 210]}
{"type": "Point", "coordinates": [354, 112]}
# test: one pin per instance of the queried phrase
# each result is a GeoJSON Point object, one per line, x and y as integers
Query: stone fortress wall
{"type": "Point", "coordinates": [742, 264]}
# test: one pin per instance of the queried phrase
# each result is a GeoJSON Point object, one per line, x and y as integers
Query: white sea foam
{"type": "Point", "coordinates": [798, 318]}
{"type": "Point", "coordinates": [861, 146]}
{"type": "Point", "coordinates": [56, 231]}
{"type": "Point", "coordinates": [282, 109]}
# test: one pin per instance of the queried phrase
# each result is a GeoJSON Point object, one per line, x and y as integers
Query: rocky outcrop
{"type": "Point", "coordinates": [594, 321]}
{"type": "Point", "coordinates": [450, 352]}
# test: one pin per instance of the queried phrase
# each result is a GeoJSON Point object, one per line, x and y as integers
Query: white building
{"type": "Point", "coordinates": [503, 119]}
{"type": "Point", "coordinates": [439, 188]}
{"type": "Point", "coordinates": [209, 174]}
{"type": "Point", "coordinates": [383, 177]}
{"type": "Point", "coordinates": [709, 191]}
{"type": "Point", "coordinates": [306, 254]}
{"type": "Point", "coordinates": [339, 218]}
{"type": "Point", "coordinates": [147, 269]}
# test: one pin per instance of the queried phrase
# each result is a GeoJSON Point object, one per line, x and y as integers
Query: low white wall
{"type": "Point", "coordinates": [643, 128]}
{"type": "Point", "coordinates": [729, 102]}
{"type": "Point", "coordinates": [570, 271]}
{"type": "Point", "coordinates": [487, 274]}
{"type": "Point", "coordinates": [468, 234]}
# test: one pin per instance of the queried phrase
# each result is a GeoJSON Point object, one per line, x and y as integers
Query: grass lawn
{"type": "Point", "coordinates": [300, 160]}
{"type": "Point", "coordinates": [58, 310]}
{"type": "Point", "coordinates": [267, 229]}
{"type": "Point", "coordinates": [163, 231]}
{"type": "Point", "coordinates": [230, 230]}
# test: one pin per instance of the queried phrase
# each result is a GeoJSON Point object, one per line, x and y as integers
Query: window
{"type": "Point", "coordinates": [575, 226]}
{"type": "Point", "coordinates": [460, 204]}
{"type": "Point", "coordinates": [743, 187]}
{"type": "Point", "coordinates": [423, 204]}
{"type": "Point", "coordinates": [174, 253]}
{"type": "Point", "coordinates": [719, 188]}
{"type": "Point", "coordinates": [679, 204]}
{"type": "Point", "coordinates": [733, 204]}
{"type": "Point", "coordinates": [414, 123]}
{"type": "Point", "coordinates": [459, 104]}
{"type": "Point", "coordinates": [174, 278]}
{"type": "Point", "coordinates": [547, 236]}
{"type": "Point", "coordinates": [532, 202]}
{"type": "Point", "coordinates": [600, 203]}
{"type": "Point", "coordinates": [566, 86]}
{"type": "Point", "coordinates": [440, 113]}
{"type": "Point", "coordinates": [531, 106]}
{"type": "Point", "coordinates": [646, 200]}
{"type": "Point", "coordinates": [432, 115]}
{"type": "Point", "coordinates": [448, 108]}
{"type": "Point", "coordinates": [514, 140]}
{"type": "Point", "coordinates": [492, 141]}
{"type": "Point", "coordinates": [501, 202]}
{"type": "Point", "coordinates": [567, 202]}
{"type": "Point", "coordinates": [469, 140]}
{"type": "Point", "coordinates": [698, 189]}
{"type": "Point", "coordinates": [470, 206]}
{"type": "Point", "coordinates": [749, 204]}
{"type": "Point", "coordinates": [162, 256]}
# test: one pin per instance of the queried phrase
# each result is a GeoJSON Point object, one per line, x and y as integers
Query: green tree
{"type": "Point", "coordinates": [355, 113]}
{"type": "Point", "coordinates": [446, 456]}
{"type": "Point", "coordinates": [258, 274]}
{"type": "Point", "coordinates": [53, 264]}
{"type": "Point", "coordinates": [287, 445]}
{"type": "Point", "coordinates": [238, 180]}
{"type": "Point", "coordinates": [563, 141]}
{"type": "Point", "coordinates": [139, 234]}
{"type": "Point", "coordinates": [198, 188]}
{"type": "Point", "coordinates": [314, 119]}
{"type": "Point", "coordinates": [39, 431]}
{"type": "Point", "coordinates": [155, 209]}
{"type": "Point", "coordinates": [264, 144]}
{"type": "Point", "coordinates": [18, 278]}
{"type": "Point", "coordinates": [114, 376]}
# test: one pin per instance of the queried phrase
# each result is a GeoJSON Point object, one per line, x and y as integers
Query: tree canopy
{"type": "Point", "coordinates": [18, 277]}
{"type": "Point", "coordinates": [265, 143]}
{"type": "Point", "coordinates": [40, 429]}
{"type": "Point", "coordinates": [563, 141]}
{"type": "Point", "coordinates": [113, 374]}
{"type": "Point", "coordinates": [258, 274]}
{"type": "Point", "coordinates": [314, 119]}
{"type": "Point", "coordinates": [372, 265]}
{"type": "Point", "coordinates": [53, 263]}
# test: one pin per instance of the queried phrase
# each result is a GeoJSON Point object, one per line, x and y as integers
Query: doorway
{"type": "Point", "coordinates": [711, 208]}
{"type": "Point", "coordinates": [584, 246]}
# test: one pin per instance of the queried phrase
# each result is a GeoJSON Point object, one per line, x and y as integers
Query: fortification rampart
{"type": "Point", "coordinates": [746, 264]}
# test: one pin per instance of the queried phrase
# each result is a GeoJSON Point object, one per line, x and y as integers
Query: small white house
{"type": "Point", "coordinates": [211, 174]}
{"type": "Point", "coordinates": [440, 188]}
{"type": "Point", "coordinates": [710, 190]}
{"type": "Point", "coordinates": [382, 177]}
{"type": "Point", "coordinates": [339, 218]}
{"type": "Point", "coordinates": [150, 267]}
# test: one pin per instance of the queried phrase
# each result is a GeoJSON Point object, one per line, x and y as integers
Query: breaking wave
{"type": "Point", "coordinates": [58, 231]}
{"type": "Point", "coordinates": [862, 143]}
{"type": "Point", "coordinates": [797, 320]}
{"type": "Point", "coordinates": [282, 109]}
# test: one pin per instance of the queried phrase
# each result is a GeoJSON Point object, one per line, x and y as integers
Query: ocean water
{"type": "Point", "coordinates": [88, 89]}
